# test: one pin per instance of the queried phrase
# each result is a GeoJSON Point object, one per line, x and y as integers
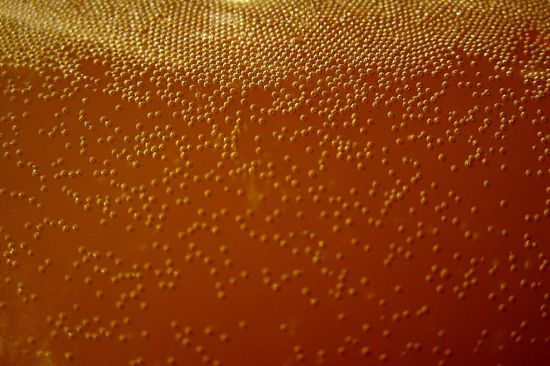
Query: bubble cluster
{"type": "Point", "coordinates": [246, 182]}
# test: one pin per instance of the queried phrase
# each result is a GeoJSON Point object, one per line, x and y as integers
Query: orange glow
{"type": "Point", "coordinates": [301, 182]}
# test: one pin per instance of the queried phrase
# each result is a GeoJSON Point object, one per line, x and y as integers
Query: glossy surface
{"type": "Point", "coordinates": [274, 182]}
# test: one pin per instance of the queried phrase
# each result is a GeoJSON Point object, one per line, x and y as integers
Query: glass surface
{"type": "Point", "coordinates": [274, 183]}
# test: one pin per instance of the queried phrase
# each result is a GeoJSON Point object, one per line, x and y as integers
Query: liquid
{"type": "Point", "coordinates": [274, 183]}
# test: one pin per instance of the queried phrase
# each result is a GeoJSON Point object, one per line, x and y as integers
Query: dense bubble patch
{"type": "Point", "coordinates": [297, 182]}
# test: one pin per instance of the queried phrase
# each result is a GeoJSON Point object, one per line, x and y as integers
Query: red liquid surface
{"type": "Point", "coordinates": [274, 183]}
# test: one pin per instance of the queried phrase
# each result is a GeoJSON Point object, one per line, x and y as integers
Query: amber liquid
{"type": "Point", "coordinates": [265, 183]}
